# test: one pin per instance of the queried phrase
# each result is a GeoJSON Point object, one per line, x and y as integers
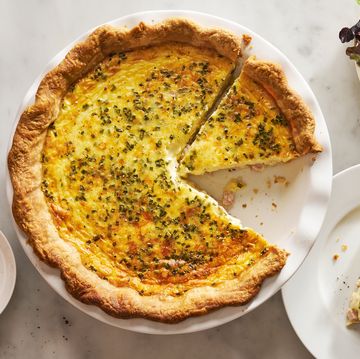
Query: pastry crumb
{"type": "Point", "coordinates": [255, 190]}
{"type": "Point", "coordinates": [246, 39]}
{"type": "Point", "coordinates": [281, 180]}
{"type": "Point", "coordinates": [257, 168]}
{"type": "Point", "coordinates": [344, 247]}
{"type": "Point", "coordinates": [274, 205]}
{"type": "Point", "coordinates": [244, 205]}
{"type": "Point", "coordinates": [336, 257]}
{"type": "Point", "coordinates": [268, 183]}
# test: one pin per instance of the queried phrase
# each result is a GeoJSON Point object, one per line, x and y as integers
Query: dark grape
{"type": "Point", "coordinates": [355, 28]}
{"type": "Point", "coordinates": [346, 34]}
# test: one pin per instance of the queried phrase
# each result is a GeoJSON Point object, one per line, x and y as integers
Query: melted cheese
{"type": "Point", "coordinates": [109, 170]}
{"type": "Point", "coordinates": [246, 129]}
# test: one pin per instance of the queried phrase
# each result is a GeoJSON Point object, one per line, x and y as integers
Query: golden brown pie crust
{"type": "Point", "coordinates": [302, 122]}
{"type": "Point", "coordinates": [30, 208]}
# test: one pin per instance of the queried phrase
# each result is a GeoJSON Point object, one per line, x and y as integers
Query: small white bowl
{"type": "Point", "coordinates": [7, 272]}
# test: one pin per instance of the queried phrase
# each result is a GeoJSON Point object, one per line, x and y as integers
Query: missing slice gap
{"type": "Point", "coordinates": [222, 93]}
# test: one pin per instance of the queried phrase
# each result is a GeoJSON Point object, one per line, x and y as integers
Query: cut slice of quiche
{"type": "Point", "coordinates": [353, 314]}
{"type": "Point", "coordinates": [260, 121]}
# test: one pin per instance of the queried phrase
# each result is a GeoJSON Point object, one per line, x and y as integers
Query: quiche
{"type": "Point", "coordinates": [259, 122]}
{"type": "Point", "coordinates": [353, 313]}
{"type": "Point", "coordinates": [99, 165]}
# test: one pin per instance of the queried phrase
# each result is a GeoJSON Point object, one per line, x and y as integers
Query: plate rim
{"type": "Point", "coordinates": [10, 276]}
{"type": "Point", "coordinates": [332, 219]}
{"type": "Point", "coordinates": [154, 327]}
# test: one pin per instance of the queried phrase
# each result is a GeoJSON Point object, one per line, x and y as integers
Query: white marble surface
{"type": "Point", "coordinates": [38, 323]}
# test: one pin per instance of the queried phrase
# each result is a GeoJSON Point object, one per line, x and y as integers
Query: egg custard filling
{"type": "Point", "coordinates": [99, 166]}
{"type": "Point", "coordinates": [109, 174]}
{"type": "Point", "coordinates": [247, 129]}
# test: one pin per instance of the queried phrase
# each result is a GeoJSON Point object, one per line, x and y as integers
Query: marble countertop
{"type": "Point", "coordinates": [38, 323]}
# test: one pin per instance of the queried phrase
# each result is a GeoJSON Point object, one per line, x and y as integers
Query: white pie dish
{"type": "Point", "coordinates": [292, 225]}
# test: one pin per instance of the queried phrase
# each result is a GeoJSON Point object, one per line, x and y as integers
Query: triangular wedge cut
{"type": "Point", "coordinates": [260, 121]}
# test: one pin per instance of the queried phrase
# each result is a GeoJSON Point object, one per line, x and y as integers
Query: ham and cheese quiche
{"type": "Point", "coordinates": [98, 188]}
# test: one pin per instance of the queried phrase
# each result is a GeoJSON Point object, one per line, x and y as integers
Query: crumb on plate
{"type": "Point", "coordinates": [281, 180]}
{"type": "Point", "coordinates": [246, 39]}
{"type": "Point", "coordinates": [268, 183]}
{"type": "Point", "coordinates": [228, 197]}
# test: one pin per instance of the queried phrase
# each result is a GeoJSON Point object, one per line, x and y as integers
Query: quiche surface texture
{"type": "Point", "coordinates": [249, 127]}
{"type": "Point", "coordinates": [97, 185]}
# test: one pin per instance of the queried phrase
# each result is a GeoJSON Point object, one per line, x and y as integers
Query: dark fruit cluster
{"type": "Point", "coordinates": [348, 34]}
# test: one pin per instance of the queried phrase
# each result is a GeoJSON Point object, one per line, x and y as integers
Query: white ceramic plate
{"type": "Point", "coordinates": [293, 224]}
{"type": "Point", "coordinates": [316, 298]}
{"type": "Point", "coordinates": [7, 272]}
